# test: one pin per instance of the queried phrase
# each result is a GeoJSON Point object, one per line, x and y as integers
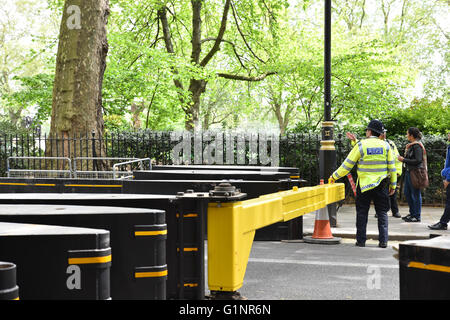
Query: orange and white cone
{"type": "Point", "coordinates": [322, 230]}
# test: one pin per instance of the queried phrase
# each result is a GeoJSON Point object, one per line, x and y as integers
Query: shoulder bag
{"type": "Point", "coordinates": [419, 176]}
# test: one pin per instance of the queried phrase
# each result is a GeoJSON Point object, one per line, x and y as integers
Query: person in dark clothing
{"type": "Point", "coordinates": [399, 168]}
{"type": "Point", "coordinates": [445, 218]}
{"type": "Point", "coordinates": [377, 180]}
{"type": "Point", "coordinates": [413, 159]}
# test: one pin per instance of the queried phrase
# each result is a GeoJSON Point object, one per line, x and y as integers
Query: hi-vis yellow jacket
{"type": "Point", "coordinates": [376, 161]}
{"type": "Point", "coordinates": [398, 164]}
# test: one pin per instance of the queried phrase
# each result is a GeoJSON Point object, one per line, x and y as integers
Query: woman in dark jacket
{"type": "Point", "coordinates": [413, 159]}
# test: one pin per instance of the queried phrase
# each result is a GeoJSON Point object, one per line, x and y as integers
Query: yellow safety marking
{"type": "Point", "coordinates": [94, 185]}
{"type": "Point", "coordinates": [27, 184]}
{"type": "Point", "coordinates": [89, 260]}
{"type": "Point", "coordinates": [294, 177]}
{"type": "Point", "coordinates": [188, 249]}
{"type": "Point", "coordinates": [150, 233]}
{"type": "Point", "coordinates": [153, 274]}
{"type": "Point", "coordinates": [432, 267]}
{"type": "Point", "coordinates": [14, 184]}
{"type": "Point", "coordinates": [188, 215]}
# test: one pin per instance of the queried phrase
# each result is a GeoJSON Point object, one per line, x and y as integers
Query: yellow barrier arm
{"type": "Point", "coordinates": [232, 225]}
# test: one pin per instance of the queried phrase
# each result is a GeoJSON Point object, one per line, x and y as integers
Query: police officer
{"type": "Point", "coordinates": [398, 167]}
{"type": "Point", "coordinates": [376, 170]}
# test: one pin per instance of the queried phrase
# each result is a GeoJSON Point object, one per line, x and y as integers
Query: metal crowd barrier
{"type": "Point", "coordinates": [74, 171]}
{"type": "Point", "coordinates": [39, 173]}
{"type": "Point", "coordinates": [141, 162]}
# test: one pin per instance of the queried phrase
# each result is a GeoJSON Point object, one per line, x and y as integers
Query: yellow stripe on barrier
{"type": "Point", "coordinates": [153, 274]}
{"type": "Point", "coordinates": [187, 215]}
{"type": "Point", "coordinates": [95, 185]}
{"type": "Point", "coordinates": [27, 184]}
{"type": "Point", "coordinates": [89, 260]}
{"type": "Point", "coordinates": [232, 225]}
{"type": "Point", "coordinates": [431, 267]}
{"type": "Point", "coordinates": [13, 184]}
{"type": "Point", "coordinates": [188, 249]}
{"type": "Point", "coordinates": [191, 285]}
{"type": "Point", "coordinates": [150, 233]}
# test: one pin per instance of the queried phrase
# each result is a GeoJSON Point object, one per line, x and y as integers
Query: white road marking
{"type": "Point", "coordinates": [323, 263]}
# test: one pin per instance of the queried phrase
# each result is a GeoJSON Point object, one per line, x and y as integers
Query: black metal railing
{"type": "Point", "coordinates": [164, 147]}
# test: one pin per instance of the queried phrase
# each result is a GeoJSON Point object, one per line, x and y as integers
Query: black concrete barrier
{"type": "Point", "coordinates": [45, 185]}
{"type": "Point", "coordinates": [55, 262]}
{"type": "Point", "coordinates": [252, 180]}
{"type": "Point", "coordinates": [292, 170]}
{"type": "Point", "coordinates": [289, 230]}
{"type": "Point", "coordinates": [185, 267]}
{"type": "Point", "coordinates": [253, 188]}
{"type": "Point", "coordinates": [185, 219]}
{"type": "Point", "coordinates": [138, 242]}
{"type": "Point", "coordinates": [9, 290]}
{"type": "Point", "coordinates": [425, 269]}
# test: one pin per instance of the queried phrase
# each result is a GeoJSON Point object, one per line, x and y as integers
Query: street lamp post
{"type": "Point", "coordinates": [327, 152]}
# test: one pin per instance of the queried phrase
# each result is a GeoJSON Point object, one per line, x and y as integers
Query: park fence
{"type": "Point", "coordinates": [95, 156]}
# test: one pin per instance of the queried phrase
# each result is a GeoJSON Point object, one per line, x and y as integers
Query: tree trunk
{"type": "Point", "coordinates": [80, 66]}
{"type": "Point", "coordinates": [135, 111]}
{"type": "Point", "coordinates": [197, 88]}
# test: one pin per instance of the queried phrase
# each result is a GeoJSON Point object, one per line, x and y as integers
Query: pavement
{"type": "Point", "coordinates": [399, 230]}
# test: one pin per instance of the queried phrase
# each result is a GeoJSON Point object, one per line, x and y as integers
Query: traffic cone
{"type": "Point", "coordinates": [322, 230]}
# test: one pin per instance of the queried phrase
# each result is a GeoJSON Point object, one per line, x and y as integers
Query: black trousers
{"type": "Point", "coordinates": [393, 202]}
{"type": "Point", "coordinates": [446, 216]}
{"type": "Point", "coordinates": [393, 198]}
{"type": "Point", "coordinates": [380, 197]}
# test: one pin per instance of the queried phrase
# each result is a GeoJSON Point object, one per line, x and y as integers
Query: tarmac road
{"type": "Point", "coordinates": [281, 270]}
{"type": "Point", "coordinates": [302, 271]}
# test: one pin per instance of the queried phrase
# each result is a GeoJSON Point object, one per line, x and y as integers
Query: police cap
{"type": "Point", "coordinates": [376, 125]}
